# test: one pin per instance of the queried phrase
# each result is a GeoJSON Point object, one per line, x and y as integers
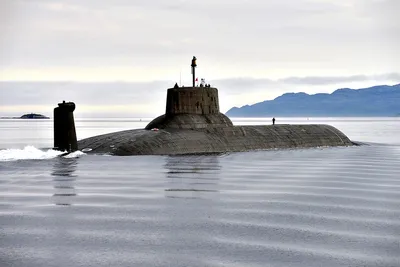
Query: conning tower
{"type": "Point", "coordinates": [194, 107]}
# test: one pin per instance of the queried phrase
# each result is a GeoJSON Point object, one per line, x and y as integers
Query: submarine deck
{"type": "Point", "coordinates": [171, 141]}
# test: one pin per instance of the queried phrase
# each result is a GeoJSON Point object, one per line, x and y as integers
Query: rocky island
{"type": "Point", "coordinates": [33, 116]}
{"type": "Point", "coordinates": [28, 116]}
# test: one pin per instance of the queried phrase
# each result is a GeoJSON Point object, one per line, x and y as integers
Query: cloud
{"type": "Point", "coordinates": [97, 99]}
{"type": "Point", "coordinates": [115, 93]}
{"type": "Point", "coordinates": [340, 79]}
{"type": "Point", "coordinates": [251, 50]}
{"type": "Point", "coordinates": [237, 85]}
{"type": "Point", "coordinates": [242, 36]}
{"type": "Point", "coordinates": [149, 97]}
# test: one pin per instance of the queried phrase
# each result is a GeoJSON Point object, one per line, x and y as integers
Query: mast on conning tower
{"type": "Point", "coordinates": [194, 65]}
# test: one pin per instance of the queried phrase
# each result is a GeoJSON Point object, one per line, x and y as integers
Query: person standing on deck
{"type": "Point", "coordinates": [273, 121]}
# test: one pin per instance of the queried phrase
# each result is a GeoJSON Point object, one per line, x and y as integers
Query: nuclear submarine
{"type": "Point", "coordinates": [193, 124]}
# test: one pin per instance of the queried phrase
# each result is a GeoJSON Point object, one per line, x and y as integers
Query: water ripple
{"type": "Point", "coordinates": [311, 207]}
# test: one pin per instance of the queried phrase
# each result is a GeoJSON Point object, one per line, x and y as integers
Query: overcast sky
{"type": "Point", "coordinates": [120, 56]}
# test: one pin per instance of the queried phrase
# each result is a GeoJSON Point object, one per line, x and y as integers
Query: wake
{"type": "Point", "coordinates": [31, 152]}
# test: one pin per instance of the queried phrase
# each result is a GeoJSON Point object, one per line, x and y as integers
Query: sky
{"type": "Point", "coordinates": [117, 58]}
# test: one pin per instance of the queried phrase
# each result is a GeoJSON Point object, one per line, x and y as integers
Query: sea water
{"type": "Point", "coordinates": [291, 207]}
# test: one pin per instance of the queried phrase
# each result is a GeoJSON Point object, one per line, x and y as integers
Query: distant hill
{"type": "Point", "coordinates": [382, 100]}
{"type": "Point", "coordinates": [33, 116]}
{"type": "Point", "coordinates": [28, 116]}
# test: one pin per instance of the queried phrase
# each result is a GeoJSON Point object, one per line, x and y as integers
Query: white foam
{"type": "Point", "coordinates": [75, 154]}
{"type": "Point", "coordinates": [31, 152]}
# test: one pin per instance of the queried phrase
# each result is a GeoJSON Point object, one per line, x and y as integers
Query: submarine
{"type": "Point", "coordinates": [193, 124]}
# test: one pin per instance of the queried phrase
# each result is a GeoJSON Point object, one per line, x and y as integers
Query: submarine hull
{"type": "Point", "coordinates": [171, 141]}
{"type": "Point", "coordinates": [193, 124]}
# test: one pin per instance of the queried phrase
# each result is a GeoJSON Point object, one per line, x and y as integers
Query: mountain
{"type": "Point", "coordinates": [382, 100]}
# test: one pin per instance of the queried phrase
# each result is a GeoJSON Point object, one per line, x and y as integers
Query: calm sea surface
{"type": "Point", "coordinates": [303, 207]}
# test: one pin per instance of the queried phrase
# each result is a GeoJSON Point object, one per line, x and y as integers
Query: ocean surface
{"type": "Point", "coordinates": [292, 207]}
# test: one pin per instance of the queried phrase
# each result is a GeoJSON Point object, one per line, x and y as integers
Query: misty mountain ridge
{"type": "Point", "coordinates": [381, 100]}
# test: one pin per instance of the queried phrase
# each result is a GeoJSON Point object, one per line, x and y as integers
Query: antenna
{"type": "Point", "coordinates": [194, 65]}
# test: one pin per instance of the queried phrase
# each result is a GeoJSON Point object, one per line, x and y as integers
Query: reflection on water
{"type": "Point", "coordinates": [192, 176]}
{"type": "Point", "coordinates": [63, 180]}
{"type": "Point", "coordinates": [292, 208]}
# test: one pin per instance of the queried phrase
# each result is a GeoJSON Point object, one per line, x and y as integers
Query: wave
{"type": "Point", "coordinates": [31, 152]}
